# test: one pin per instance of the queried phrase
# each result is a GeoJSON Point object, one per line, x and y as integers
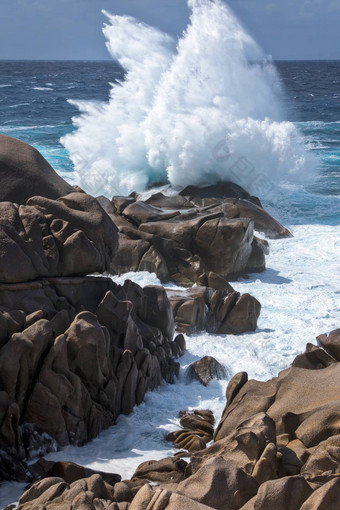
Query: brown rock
{"type": "Point", "coordinates": [205, 370]}
{"type": "Point", "coordinates": [25, 173]}
{"type": "Point", "coordinates": [331, 343]}
{"type": "Point", "coordinates": [68, 236]}
{"type": "Point", "coordinates": [162, 499]}
{"type": "Point", "coordinates": [169, 470]}
{"type": "Point", "coordinates": [187, 439]}
{"type": "Point", "coordinates": [283, 494]}
{"type": "Point", "coordinates": [220, 484]}
{"type": "Point", "coordinates": [327, 497]}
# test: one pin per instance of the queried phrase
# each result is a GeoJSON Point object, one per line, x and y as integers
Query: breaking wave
{"type": "Point", "coordinates": [196, 111]}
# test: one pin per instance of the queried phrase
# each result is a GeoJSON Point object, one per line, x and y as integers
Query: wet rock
{"type": "Point", "coordinates": [220, 311]}
{"type": "Point", "coordinates": [197, 431]}
{"type": "Point", "coordinates": [68, 471]}
{"type": "Point", "coordinates": [205, 370]}
{"type": "Point", "coordinates": [191, 239]}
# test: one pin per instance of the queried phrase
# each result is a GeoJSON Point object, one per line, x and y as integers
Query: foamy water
{"type": "Point", "coordinates": [206, 109]}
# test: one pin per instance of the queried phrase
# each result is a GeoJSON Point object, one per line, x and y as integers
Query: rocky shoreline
{"type": "Point", "coordinates": [77, 350]}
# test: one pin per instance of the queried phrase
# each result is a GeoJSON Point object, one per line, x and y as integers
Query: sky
{"type": "Point", "coordinates": [71, 29]}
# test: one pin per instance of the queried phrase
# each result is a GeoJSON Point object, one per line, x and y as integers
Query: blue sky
{"type": "Point", "coordinates": [71, 29]}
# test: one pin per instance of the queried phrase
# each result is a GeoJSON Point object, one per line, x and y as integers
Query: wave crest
{"type": "Point", "coordinates": [206, 109]}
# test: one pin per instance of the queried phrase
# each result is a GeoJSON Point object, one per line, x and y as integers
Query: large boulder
{"type": "Point", "coordinates": [25, 173]}
{"type": "Point", "coordinates": [223, 311]}
{"type": "Point", "coordinates": [69, 236]}
{"type": "Point", "coordinates": [184, 237]}
{"type": "Point", "coordinates": [205, 370]}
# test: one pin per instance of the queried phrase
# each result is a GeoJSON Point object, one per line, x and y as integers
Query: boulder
{"type": "Point", "coordinates": [68, 471]}
{"type": "Point", "coordinates": [186, 238]}
{"type": "Point", "coordinates": [205, 370]}
{"type": "Point", "coordinates": [162, 499]}
{"type": "Point", "coordinates": [169, 470]}
{"type": "Point", "coordinates": [326, 497]}
{"type": "Point", "coordinates": [286, 493]}
{"type": "Point", "coordinates": [91, 493]}
{"type": "Point", "coordinates": [25, 173]}
{"type": "Point", "coordinates": [69, 236]}
{"type": "Point", "coordinates": [220, 311]}
{"type": "Point", "coordinates": [331, 343]}
{"type": "Point", "coordinates": [219, 484]}
{"type": "Point", "coordinates": [197, 431]}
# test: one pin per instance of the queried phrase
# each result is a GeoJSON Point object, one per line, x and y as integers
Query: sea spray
{"type": "Point", "coordinates": [204, 110]}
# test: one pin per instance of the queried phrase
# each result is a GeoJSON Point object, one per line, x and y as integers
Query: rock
{"type": "Point", "coordinates": [246, 446]}
{"type": "Point", "coordinates": [205, 370]}
{"type": "Point", "coordinates": [325, 498]}
{"type": "Point", "coordinates": [286, 493]}
{"type": "Point", "coordinates": [68, 236]}
{"type": "Point", "coordinates": [221, 311]}
{"type": "Point", "coordinates": [242, 317]}
{"type": "Point", "coordinates": [95, 353]}
{"type": "Point", "coordinates": [190, 308]}
{"type": "Point", "coordinates": [219, 484]}
{"type": "Point", "coordinates": [186, 439]}
{"type": "Point", "coordinates": [162, 499]}
{"type": "Point", "coordinates": [331, 343]}
{"type": "Point", "coordinates": [197, 431]}
{"type": "Point", "coordinates": [25, 173]}
{"type": "Point", "coordinates": [298, 412]}
{"type": "Point", "coordinates": [169, 470]}
{"type": "Point", "coordinates": [90, 493]}
{"type": "Point", "coordinates": [313, 359]}
{"type": "Point", "coordinates": [218, 191]}
{"type": "Point", "coordinates": [323, 460]}
{"type": "Point", "coordinates": [122, 493]}
{"type": "Point", "coordinates": [235, 385]}
{"type": "Point", "coordinates": [69, 472]}
{"type": "Point", "coordinates": [192, 239]}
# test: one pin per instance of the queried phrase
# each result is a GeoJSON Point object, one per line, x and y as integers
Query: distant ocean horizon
{"type": "Point", "coordinates": [35, 105]}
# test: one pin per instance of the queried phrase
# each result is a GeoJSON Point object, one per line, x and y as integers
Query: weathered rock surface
{"type": "Point", "coordinates": [221, 312]}
{"type": "Point", "coordinates": [277, 446]}
{"type": "Point", "coordinates": [68, 236]}
{"type": "Point", "coordinates": [205, 370]}
{"type": "Point", "coordinates": [24, 173]}
{"type": "Point", "coordinates": [197, 431]}
{"type": "Point", "coordinates": [83, 350]}
{"type": "Point", "coordinates": [182, 238]}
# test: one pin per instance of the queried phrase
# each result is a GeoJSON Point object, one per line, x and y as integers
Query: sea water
{"type": "Point", "coordinates": [206, 107]}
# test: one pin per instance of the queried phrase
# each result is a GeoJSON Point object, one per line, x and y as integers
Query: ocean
{"type": "Point", "coordinates": [291, 138]}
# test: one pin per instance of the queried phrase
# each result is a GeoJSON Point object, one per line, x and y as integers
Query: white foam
{"type": "Point", "coordinates": [206, 110]}
{"type": "Point", "coordinates": [42, 88]}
